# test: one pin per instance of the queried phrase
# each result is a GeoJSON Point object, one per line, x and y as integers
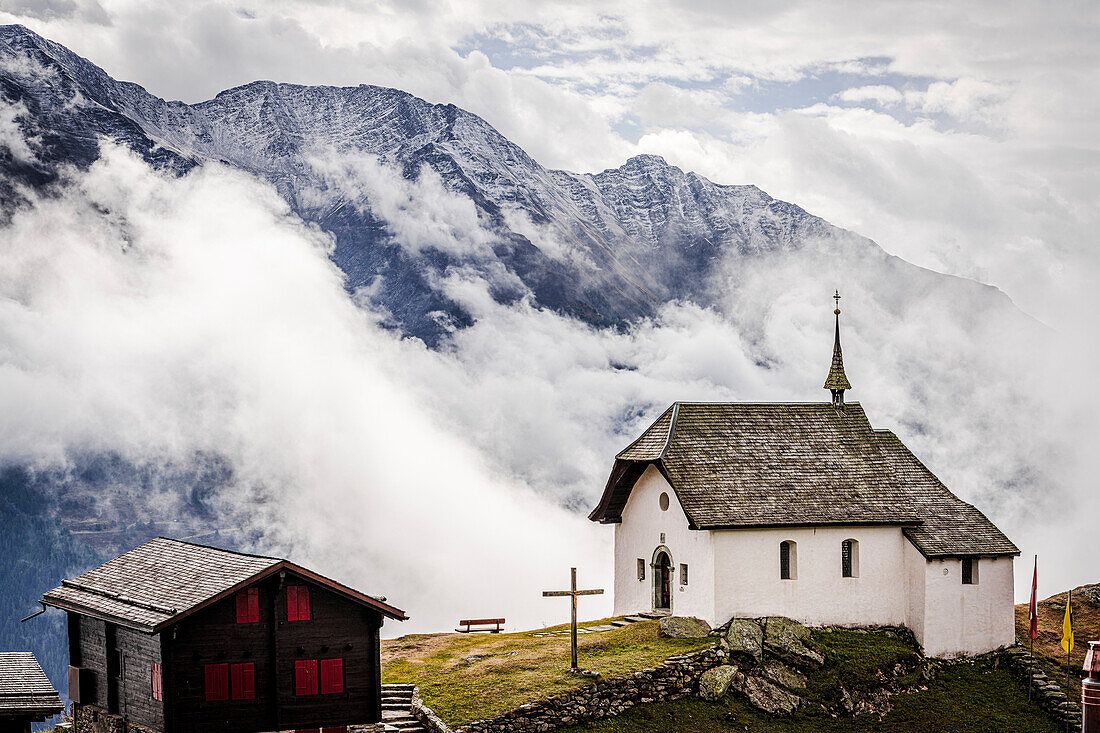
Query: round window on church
{"type": "Point", "coordinates": [664, 501]}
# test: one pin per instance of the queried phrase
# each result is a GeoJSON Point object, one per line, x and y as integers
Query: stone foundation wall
{"type": "Point", "coordinates": [427, 716]}
{"type": "Point", "coordinates": [1050, 696]}
{"type": "Point", "coordinates": [91, 719]}
{"type": "Point", "coordinates": [676, 678]}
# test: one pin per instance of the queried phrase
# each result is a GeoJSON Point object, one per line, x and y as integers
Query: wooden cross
{"type": "Point", "coordinates": [573, 593]}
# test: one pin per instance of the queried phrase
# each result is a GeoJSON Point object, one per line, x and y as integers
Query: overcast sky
{"type": "Point", "coordinates": [961, 136]}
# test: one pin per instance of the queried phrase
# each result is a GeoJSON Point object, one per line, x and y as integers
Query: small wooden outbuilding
{"type": "Point", "coordinates": [181, 638]}
{"type": "Point", "coordinates": [26, 696]}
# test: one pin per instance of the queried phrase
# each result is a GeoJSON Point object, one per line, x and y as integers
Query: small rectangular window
{"type": "Point", "coordinates": [785, 561]}
{"type": "Point", "coordinates": [248, 606]}
{"type": "Point", "coordinates": [216, 677]}
{"type": "Point", "coordinates": [244, 681]}
{"type": "Point", "coordinates": [305, 677]}
{"type": "Point", "coordinates": [158, 691]}
{"type": "Point", "coordinates": [970, 571]}
{"type": "Point", "coordinates": [297, 603]}
{"type": "Point", "coordinates": [846, 559]}
{"type": "Point", "coordinates": [332, 676]}
{"type": "Point", "coordinates": [641, 569]}
{"type": "Point", "coordinates": [683, 574]}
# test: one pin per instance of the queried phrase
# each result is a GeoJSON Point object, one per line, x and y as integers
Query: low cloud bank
{"type": "Point", "coordinates": [160, 319]}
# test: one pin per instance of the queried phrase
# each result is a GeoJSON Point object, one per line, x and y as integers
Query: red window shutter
{"type": "Point", "coordinates": [158, 693]}
{"type": "Point", "coordinates": [242, 607]}
{"type": "Point", "coordinates": [305, 677]}
{"type": "Point", "coordinates": [303, 603]}
{"type": "Point", "coordinates": [248, 606]}
{"type": "Point", "coordinates": [210, 678]}
{"type": "Point", "coordinates": [216, 678]}
{"type": "Point", "coordinates": [244, 681]}
{"type": "Point", "coordinates": [332, 676]}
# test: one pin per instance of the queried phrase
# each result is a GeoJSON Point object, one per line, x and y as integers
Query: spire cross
{"type": "Point", "coordinates": [573, 593]}
{"type": "Point", "coordinates": [836, 297]}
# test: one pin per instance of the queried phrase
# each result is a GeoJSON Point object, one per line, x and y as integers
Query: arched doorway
{"type": "Point", "coordinates": [662, 581]}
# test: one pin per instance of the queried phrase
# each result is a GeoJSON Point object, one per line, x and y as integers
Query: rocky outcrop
{"type": "Point", "coordinates": [676, 678]}
{"type": "Point", "coordinates": [781, 674]}
{"type": "Point", "coordinates": [787, 640]}
{"type": "Point", "coordinates": [769, 697]}
{"type": "Point", "coordinates": [745, 637]}
{"type": "Point", "coordinates": [765, 658]}
{"type": "Point", "coordinates": [683, 627]}
{"type": "Point", "coordinates": [715, 682]}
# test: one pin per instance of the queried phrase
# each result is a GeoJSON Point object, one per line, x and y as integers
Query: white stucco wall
{"type": "Point", "coordinates": [639, 536]}
{"type": "Point", "coordinates": [736, 573]}
{"type": "Point", "coordinates": [961, 620]}
{"type": "Point", "coordinates": [916, 569]}
{"type": "Point", "coordinates": [747, 579]}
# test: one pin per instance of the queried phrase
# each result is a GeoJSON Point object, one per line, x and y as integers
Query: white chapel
{"type": "Point", "coordinates": [803, 510]}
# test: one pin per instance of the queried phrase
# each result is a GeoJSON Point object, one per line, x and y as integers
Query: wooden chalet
{"type": "Point", "coordinates": [184, 638]}
{"type": "Point", "coordinates": [26, 696]}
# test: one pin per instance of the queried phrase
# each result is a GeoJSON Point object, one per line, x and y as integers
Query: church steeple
{"type": "Point", "coordinates": [837, 382]}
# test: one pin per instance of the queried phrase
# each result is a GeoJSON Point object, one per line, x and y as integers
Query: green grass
{"type": "Point", "coordinates": [964, 698]}
{"type": "Point", "coordinates": [512, 669]}
{"type": "Point", "coordinates": [859, 660]}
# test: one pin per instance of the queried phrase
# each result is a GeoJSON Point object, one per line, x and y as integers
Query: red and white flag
{"type": "Point", "coordinates": [1032, 610]}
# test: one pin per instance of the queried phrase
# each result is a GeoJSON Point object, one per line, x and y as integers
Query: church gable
{"type": "Point", "coordinates": [741, 465]}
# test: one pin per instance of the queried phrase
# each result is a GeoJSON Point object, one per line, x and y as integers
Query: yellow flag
{"type": "Point", "coordinates": [1067, 627]}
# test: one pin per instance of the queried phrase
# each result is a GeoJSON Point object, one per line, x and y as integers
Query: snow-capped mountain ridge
{"type": "Point", "coordinates": [607, 247]}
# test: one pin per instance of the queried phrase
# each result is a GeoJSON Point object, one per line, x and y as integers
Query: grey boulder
{"type": "Point", "coordinates": [714, 683]}
{"type": "Point", "coordinates": [683, 627]}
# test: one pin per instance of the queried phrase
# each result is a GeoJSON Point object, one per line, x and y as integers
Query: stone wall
{"type": "Point", "coordinates": [676, 678]}
{"type": "Point", "coordinates": [1050, 695]}
{"type": "Point", "coordinates": [427, 716]}
{"type": "Point", "coordinates": [92, 719]}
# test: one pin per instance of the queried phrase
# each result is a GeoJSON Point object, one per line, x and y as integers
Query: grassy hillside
{"type": "Point", "coordinates": [975, 696]}
{"type": "Point", "coordinates": [962, 699]}
{"type": "Point", "coordinates": [1048, 649]}
{"type": "Point", "coordinates": [464, 677]}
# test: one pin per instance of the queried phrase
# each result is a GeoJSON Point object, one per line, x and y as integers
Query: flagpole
{"type": "Point", "coordinates": [1032, 619]}
{"type": "Point", "coordinates": [1069, 647]}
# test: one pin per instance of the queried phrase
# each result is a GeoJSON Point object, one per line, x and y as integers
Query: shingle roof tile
{"type": "Point", "coordinates": [773, 464]}
{"type": "Point", "coordinates": [165, 578]}
{"type": "Point", "coordinates": [24, 688]}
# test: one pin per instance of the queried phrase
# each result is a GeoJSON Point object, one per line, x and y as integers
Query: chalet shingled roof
{"type": "Point", "coordinates": [24, 688]}
{"type": "Point", "coordinates": [739, 465]}
{"type": "Point", "coordinates": [161, 582]}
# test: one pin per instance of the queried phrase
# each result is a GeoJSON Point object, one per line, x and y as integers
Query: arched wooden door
{"type": "Point", "coordinates": [662, 582]}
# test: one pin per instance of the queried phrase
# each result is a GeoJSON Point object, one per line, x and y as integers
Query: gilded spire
{"type": "Point", "coordinates": [837, 382]}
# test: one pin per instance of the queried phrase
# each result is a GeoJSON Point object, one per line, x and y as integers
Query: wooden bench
{"type": "Point", "coordinates": [469, 624]}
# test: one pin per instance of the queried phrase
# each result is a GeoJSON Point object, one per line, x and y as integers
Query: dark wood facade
{"type": "Point", "coordinates": [284, 649]}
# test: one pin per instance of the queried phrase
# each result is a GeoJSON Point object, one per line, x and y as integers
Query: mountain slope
{"type": "Point", "coordinates": [608, 248]}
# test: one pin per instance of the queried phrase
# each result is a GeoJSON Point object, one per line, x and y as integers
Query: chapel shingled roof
{"type": "Point", "coordinates": [24, 688]}
{"type": "Point", "coordinates": [739, 465]}
{"type": "Point", "coordinates": [164, 580]}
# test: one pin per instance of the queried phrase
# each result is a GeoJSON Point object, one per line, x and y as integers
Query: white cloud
{"type": "Point", "coordinates": [1007, 195]}
{"type": "Point", "coordinates": [879, 93]}
{"type": "Point", "coordinates": [198, 316]}
{"type": "Point", "coordinates": [12, 138]}
{"type": "Point", "coordinates": [419, 213]}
